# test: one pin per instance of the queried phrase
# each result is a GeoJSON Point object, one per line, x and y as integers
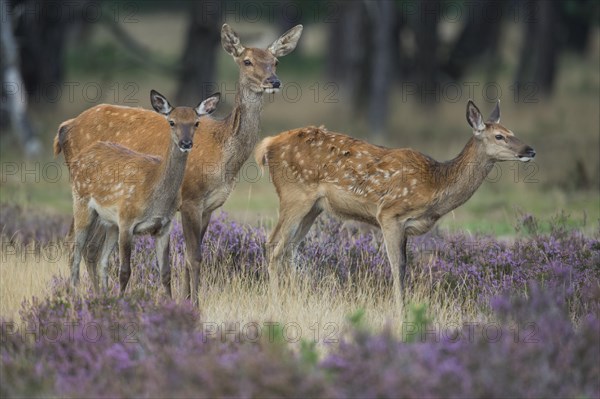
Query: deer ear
{"type": "Point", "coordinates": [495, 115]}
{"type": "Point", "coordinates": [160, 103]}
{"type": "Point", "coordinates": [287, 42]}
{"type": "Point", "coordinates": [474, 118]}
{"type": "Point", "coordinates": [231, 41]}
{"type": "Point", "coordinates": [209, 105]}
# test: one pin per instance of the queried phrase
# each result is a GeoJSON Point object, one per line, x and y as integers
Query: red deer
{"type": "Point", "coordinates": [143, 203]}
{"type": "Point", "coordinates": [222, 146]}
{"type": "Point", "coordinates": [402, 191]}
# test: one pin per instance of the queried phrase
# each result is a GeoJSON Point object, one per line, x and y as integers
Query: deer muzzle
{"type": "Point", "coordinates": [273, 84]}
{"type": "Point", "coordinates": [527, 154]}
{"type": "Point", "coordinates": [185, 145]}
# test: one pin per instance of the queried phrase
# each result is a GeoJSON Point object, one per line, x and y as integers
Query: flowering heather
{"type": "Point", "coordinates": [534, 351]}
{"type": "Point", "coordinates": [466, 267]}
{"type": "Point", "coordinates": [21, 225]}
{"type": "Point", "coordinates": [123, 347]}
{"type": "Point", "coordinates": [540, 294]}
{"type": "Point", "coordinates": [479, 266]}
{"type": "Point", "coordinates": [136, 346]}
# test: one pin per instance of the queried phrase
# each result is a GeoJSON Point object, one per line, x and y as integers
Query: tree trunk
{"type": "Point", "coordinates": [537, 63]}
{"type": "Point", "coordinates": [42, 38]}
{"type": "Point", "coordinates": [578, 17]}
{"type": "Point", "coordinates": [479, 36]}
{"type": "Point", "coordinates": [13, 87]}
{"type": "Point", "coordinates": [427, 47]}
{"type": "Point", "coordinates": [197, 76]}
{"type": "Point", "coordinates": [548, 31]}
{"type": "Point", "coordinates": [382, 76]}
{"type": "Point", "coordinates": [349, 45]}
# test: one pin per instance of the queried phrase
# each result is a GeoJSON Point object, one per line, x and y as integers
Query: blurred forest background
{"type": "Point", "coordinates": [397, 73]}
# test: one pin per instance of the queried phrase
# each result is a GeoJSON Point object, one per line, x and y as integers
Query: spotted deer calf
{"type": "Point", "coordinates": [144, 201]}
{"type": "Point", "coordinates": [402, 191]}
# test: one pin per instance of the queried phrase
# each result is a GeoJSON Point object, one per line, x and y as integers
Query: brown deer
{"type": "Point", "coordinates": [399, 190]}
{"type": "Point", "coordinates": [222, 146]}
{"type": "Point", "coordinates": [145, 201]}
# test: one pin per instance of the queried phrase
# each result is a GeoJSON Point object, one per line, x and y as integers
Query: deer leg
{"type": "Point", "coordinates": [197, 258]}
{"type": "Point", "coordinates": [92, 251]}
{"type": "Point", "coordinates": [162, 256]}
{"type": "Point", "coordinates": [305, 225]}
{"type": "Point", "coordinates": [395, 244]}
{"type": "Point", "coordinates": [124, 257]}
{"type": "Point", "coordinates": [189, 238]}
{"type": "Point", "coordinates": [82, 221]}
{"type": "Point", "coordinates": [195, 225]}
{"type": "Point", "coordinates": [294, 221]}
{"type": "Point", "coordinates": [403, 260]}
{"type": "Point", "coordinates": [110, 241]}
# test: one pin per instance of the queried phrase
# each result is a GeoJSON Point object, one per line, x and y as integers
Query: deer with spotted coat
{"type": "Point", "coordinates": [222, 148]}
{"type": "Point", "coordinates": [145, 201]}
{"type": "Point", "coordinates": [402, 191]}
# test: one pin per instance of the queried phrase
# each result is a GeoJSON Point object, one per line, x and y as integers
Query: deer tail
{"type": "Point", "coordinates": [260, 154]}
{"type": "Point", "coordinates": [61, 136]}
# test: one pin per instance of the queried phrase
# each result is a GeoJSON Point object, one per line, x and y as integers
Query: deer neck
{"type": "Point", "coordinates": [168, 180]}
{"type": "Point", "coordinates": [244, 125]}
{"type": "Point", "coordinates": [459, 178]}
{"type": "Point", "coordinates": [247, 109]}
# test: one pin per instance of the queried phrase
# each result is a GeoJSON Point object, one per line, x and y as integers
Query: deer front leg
{"type": "Point", "coordinates": [162, 256]}
{"type": "Point", "coordinates": [395, 244]}
{"type": "Point", "coordinates": [195, 223]}
{"type": "Point", "coordinates": [124, 257]}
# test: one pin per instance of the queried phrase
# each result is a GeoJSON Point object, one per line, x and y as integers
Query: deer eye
{"type": "Point", "coordinates": [197, 124]}
{"type": "Point", "coordinates": [499, 137]}
{"type": "Point", "coordinates": [171, 123]}
{"type": "Point", "coordinates": [247, 62]}
{"type": "Point", "coordinates": [276, 62]}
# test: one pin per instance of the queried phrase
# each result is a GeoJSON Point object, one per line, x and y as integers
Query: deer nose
{"type": "Point", "coordinates": [530, 152]}
{"type": "Point", "coordinates": [274, 82]}
{"type": "Point", "coordinates": [185, 144]}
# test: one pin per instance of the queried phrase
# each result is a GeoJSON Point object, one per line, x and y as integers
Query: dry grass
{"type": "Point", "coordinates": [23, 275]}
{"type": "Point", "coordinates": [306, 309]}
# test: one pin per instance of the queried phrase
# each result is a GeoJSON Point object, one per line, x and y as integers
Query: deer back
{"type": "Point", "coordinates": [347, 173]}
{"type": "Point", "coordinates": [146, 132]}
{"type": "Point", "coordinates": [114, 175]}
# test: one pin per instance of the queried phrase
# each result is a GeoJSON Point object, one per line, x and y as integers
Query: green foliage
{"type": "Point", "coordinates": [416, 323]}
{"type": "Point", "coordinates": [356, 319]}
{"type": "Point", "coordinates": [308, 352]}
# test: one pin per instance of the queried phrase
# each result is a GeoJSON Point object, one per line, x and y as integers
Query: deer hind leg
{"type": "Point", "coordinates": [295, 219]}
{"type": "Point", "coordinates": [305, 225]}
{"type": "Point", "coordinates": [92, 251]}
{"type": "Point", "coordinates": [83, 218]}
{"type": "Point", "coordinates": [124, 256]}
{"type": "Point", "coordinates": [110, 241]}
{"type": "Point", "coordinates": [195, 223]}
{"type": "Point", "coordinates": [162, 256]}
{"type": "Point", "coordinates": [395, 239]}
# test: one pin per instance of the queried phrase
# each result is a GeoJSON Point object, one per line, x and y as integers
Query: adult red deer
{"type": "Point", "coordinates": [399, 190]}
{"type": "Point", "coordinates": [142, 204]}
{"type": "Point", "coordinates": [222, 146]}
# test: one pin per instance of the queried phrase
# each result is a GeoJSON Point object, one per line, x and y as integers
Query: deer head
{"type": "Point", "coordinates": [258, 66]}
{"type": "Point", "coordinates": [499, 142]}
{"type": "Point", "coordinates": [183, 120]}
